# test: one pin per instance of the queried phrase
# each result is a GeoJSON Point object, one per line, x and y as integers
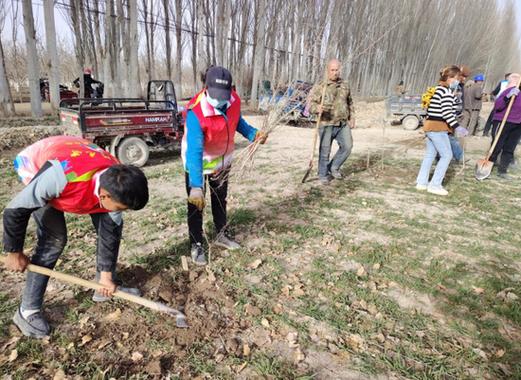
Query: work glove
{"type": "Point", "coordinates": [261, 137]}
{"type": "Point", "coordinates": [196, 197]}
{"type": "Point", "coordinates": [461, 132]}
{"type": "Point", "coordinates": [513, 92]}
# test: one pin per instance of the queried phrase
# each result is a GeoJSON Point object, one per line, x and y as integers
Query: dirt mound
{"type": "Point", "coordinates": [21, 121]}
{"type": "Point", "coordinates": [150, 342]}
{"type": "Point", "coordinates": [20, 137]}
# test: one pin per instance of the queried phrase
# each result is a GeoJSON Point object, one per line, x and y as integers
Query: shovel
{"type": "Point", "coordinates": [315, 138]}
{"type": "Point", "coordinates": [484, 167]}
{"type": "Point", "coordinates": [180, 318]}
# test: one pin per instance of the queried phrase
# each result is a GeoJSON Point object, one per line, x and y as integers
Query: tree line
{"type": "Point", "coordinates": [128, 42]}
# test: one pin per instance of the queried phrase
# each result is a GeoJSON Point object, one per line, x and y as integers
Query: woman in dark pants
{"type": "Point", "coordinates": [501, 86]}
{"type": "Point", "coordinates": [511, 133]}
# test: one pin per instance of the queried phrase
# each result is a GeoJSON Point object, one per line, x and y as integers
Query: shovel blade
{"type": "Point", "coordinates": [483, 169]}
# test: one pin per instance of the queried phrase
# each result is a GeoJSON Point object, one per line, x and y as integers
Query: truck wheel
{"type": "Point", "coordinates": [133, 151]}
{"type": "Point", "coordinates": [410, 122]}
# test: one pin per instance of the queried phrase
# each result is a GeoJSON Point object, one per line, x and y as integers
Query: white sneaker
{"type": "Point", "coordinates": [336, 174]}
{"type": "Point", "coordinates": [198, 254]}
{"type": "Point", "coordinates": [440, 191]}
{"type": "Point", "coordinates": [421, 187]}
{"type": "Point", "coordinates": [225, 242]}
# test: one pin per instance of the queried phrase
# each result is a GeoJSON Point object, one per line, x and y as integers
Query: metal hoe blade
{"type": "Point", "coordinates": [180, 321]}
{"type": "Point", "coordinates": [180, 318]}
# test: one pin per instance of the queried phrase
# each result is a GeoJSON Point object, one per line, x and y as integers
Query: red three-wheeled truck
{"type": "Point", "coordinates": [129, 128]}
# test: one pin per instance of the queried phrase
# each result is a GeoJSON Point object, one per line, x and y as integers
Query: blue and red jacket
{"type": "Point", "coordinates": [80, 160]}
{"type": "Point", "coordinates": [208, 142]}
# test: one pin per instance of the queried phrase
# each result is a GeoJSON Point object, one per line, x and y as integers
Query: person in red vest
{"type": "Point", "coordinates": [67, 174]}
{"type": "Point", "coordinates": [213, 116]}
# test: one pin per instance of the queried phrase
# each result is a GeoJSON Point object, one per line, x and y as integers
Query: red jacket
{"type": "Point", "coordinates": [80, 159]}
{"type": "Point", "coordinates": [218, 130]}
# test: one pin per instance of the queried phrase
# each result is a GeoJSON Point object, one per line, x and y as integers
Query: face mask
{"type": "Point", "coordinates": [219, 104]}
{"type": "Point", "coordinates": [454, 85]}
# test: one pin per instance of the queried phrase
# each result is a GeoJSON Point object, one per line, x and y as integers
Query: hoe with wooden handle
{"type": "Point", "coordinates": [180, 318]}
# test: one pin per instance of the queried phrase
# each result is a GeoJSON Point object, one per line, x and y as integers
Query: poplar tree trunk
{"type": "Point", "coordinates": [101, 50]}
{"type": "Point", "coordinates": [168, 46]}
{"type": "Point", "coordinates": [33, 70]}
{"type": "Point", "coordinates": [134, 89]}
{"type": "Point", "coordinates": [258, 59]}
{"type": "Point", "coordinates": [6, 100]}
{"type": "Point", "coordinates": [179, 47]}
{"type": "Point", "coordinates": [52, 54]}
{"type": "Point", "coordinates": [78, 46]}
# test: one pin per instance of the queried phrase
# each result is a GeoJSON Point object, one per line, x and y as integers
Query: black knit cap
{"type": "Point", "coordinates": [219, 83]}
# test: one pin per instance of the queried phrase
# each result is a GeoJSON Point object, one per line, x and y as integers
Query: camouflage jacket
{"type": "Point", "coordinates": [338, 104]}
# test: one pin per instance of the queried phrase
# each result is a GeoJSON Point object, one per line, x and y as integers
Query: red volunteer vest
{"type": "Point", "coordinates": [80, 160]}
{"type": "Point", "coordinates": [218, 132]}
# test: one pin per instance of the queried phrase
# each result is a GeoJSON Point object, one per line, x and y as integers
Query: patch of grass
{"type": "Point", "coordinates": [197, 359]}
{"type": "Point", "coordinates": [30, 348]}
{"type": "Point", "coordinates": [8, 307]}
{"type": "Point", "coordinates": [84, 299]}
{"type": "Point", "coordinates": [273, 367]}
{"type": "Point", "coordinates": [72, 316]}
{"type": "Point", "coordinates": [158, 344]}
{"type": "Point", "coordinates": [150, 316]}
{"type": "Point", "coordinates": [242, 217]}
{"type": "Point", "coordinates": [85, 368]}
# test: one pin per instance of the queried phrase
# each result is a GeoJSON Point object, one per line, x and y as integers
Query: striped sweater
{"type": "Point", "coordinates": [443, 107]}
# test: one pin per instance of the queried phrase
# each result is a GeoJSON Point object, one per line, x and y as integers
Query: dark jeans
{"type": "Point", "coordinates": [342, 134]}
{"type": "Point", "coordinates": [218, 194]}
{"type": "Point", "coordinates": [506, 144]}
{"type": "Point", "coordinates": [488, 124]}
{"type": "Point", "coordinates": [51, 232]}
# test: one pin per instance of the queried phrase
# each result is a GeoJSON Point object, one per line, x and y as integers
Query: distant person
{"type": "Point", "coordinates": [88, 81]}
{"type": "Point", "coordinates": [44, 89]}
{"type": "Point", "coordinates": [457, 143]}
{"type": "Point", "coordinates": [459, 91]}
{"type": "Point", "coordinates": [336, 122]}
{"type": "Point", "coordinates": [474, 101]}
{"type": "Point", "coordinates": [440, 121]}
{"type": "Point", "coordinates": [501, 86]}
{"type": "Point", "coordinates": [466, 102]}
{"type": "Point", "coordinates": [511, 134]}
{"type": "Point", "coordinates": [400, 88]}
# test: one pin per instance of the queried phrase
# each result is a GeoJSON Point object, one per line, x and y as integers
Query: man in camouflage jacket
{"type": "Point", "coordinates": [336, 122]}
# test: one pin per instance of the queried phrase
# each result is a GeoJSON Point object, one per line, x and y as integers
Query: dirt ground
{"type": "Point", "coordinates": [364, 279]}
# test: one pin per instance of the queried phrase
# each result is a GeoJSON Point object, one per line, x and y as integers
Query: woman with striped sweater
{"type": "Point", "coordinates": [440, 121]}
